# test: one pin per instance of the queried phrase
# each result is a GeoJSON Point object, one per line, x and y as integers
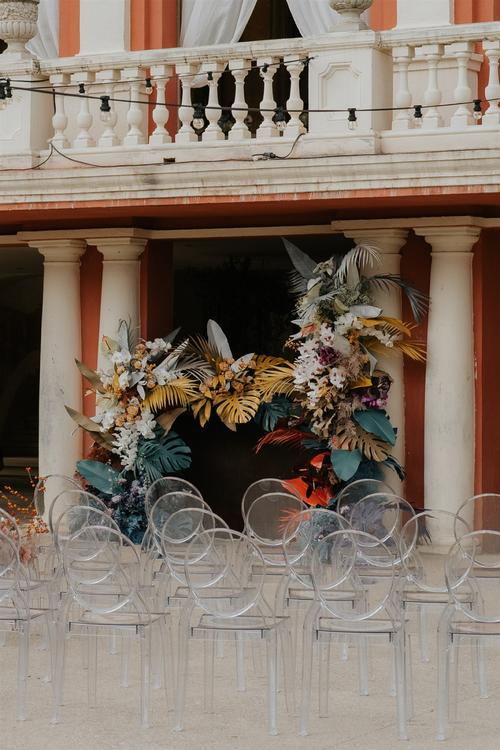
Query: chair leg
{"type": "Point", "coordinates": [272, 674]}
{"type": "Point", "coordinates": [59, 650]}
{"type": "Point", "coordinates": [445, 647]}
{"type": "Point", "coordinates": [182, 665]}
{"type": "Point", "coordinates": [92, 667]}
{"type": "Point", "coordinates": [288, 658]}
{"type": "Point", "coordinates": [481, 669]}
{"type": "Point", "coordinates": [363, 665]}
{"type": "Point", "coordinates": [208, 675]}
{"type": "Point", "coordinates": [240, 664]}
{"type": "Point", "coordinates": [124, 665]}
{"type": "Point", "coordinates": [324, 675]}
{"type": "Point", "coordinates": [399, 659]}
{"type": "Point", "coordinates": [169, 674]}
{"type": "Point", "coordinates": [145, 651]}
{"type": "Point", "coordinates": [423, 635]}
{"type": "Point", "coordinates": [307, 659]}
{"type": "Point", "coordinates": [22, 669]}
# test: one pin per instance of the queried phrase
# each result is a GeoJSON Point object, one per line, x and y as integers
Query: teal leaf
{"type": "Point", "coordinates": [164, 455]}
{"type": "Point", "coordinates": [376, 422]}
{"type": "Point", "coordinates": [269, 414]}
{"type": "Point", "coordinates": [345, 463]}
{"type": "Point", "coordinates": [101, 476]}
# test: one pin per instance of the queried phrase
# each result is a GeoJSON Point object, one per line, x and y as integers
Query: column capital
{"type": "Point", "coordinates": [60, 251]}
{"type": "Point", "coordinates": [388, 241]}
{"type": "Point", "coordinates": [452, 240]}
{"type": "Point", "coordinates": [119, 248]}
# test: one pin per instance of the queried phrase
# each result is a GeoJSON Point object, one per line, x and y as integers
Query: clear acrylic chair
{"type": "Point", "coordinates": [262, 487]}
{"type": "Point", "coordinates": [48, 487]}
{"type": "Point", "coordinates": [423, 563]}
{"type": "Point", "coordinates": [472, 617]}
{"type": "Point", "coordinates": [219, 570]}
{"type": "Point", "coordinates": [382, 515]}
{"type": "Point", "coordinates": [356, 491]}
{"type": "Point", "coordinates": [266, 520]}
{"type": "Point", "coordinates": [95, 558]}
{"type": "Point", "coordinates": [482, 512]}
{"type": "Point", "coordinates": [377, 614]}
{"type": "Point", "coordinates": [16, 611]}
{"type": "Point", "coordinates": [165, 486]}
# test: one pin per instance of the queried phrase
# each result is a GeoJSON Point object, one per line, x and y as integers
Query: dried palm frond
{"type": "Point", "coordinates": [303, 264]}
{"type": "Point", "coordinates": [394, 326]}
{"type": "Point", "coordinates": [237, 408]}
{"type": "Point", "coordinates": [419, 302]}
{"type": "Point", "coordinates": [293, 438]}
{"type": "Point", "coordinates": [178, 392]}
{"type": "Point", "coordinates": [279, 378]}
{"type": "Point", "coordinates": [104, 439]}
{"type": "Point", "coordinates": [361, 256]}
{"type": "Point", "coordinates": [92, 376]}
{"type": "Point", "coordinates": [208, 352]}
{"type": "Point", "coordinates": [202, 410]}
{"type": "Point", "coordinates": [415, 350]}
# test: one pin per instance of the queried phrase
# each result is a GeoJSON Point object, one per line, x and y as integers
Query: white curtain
{"type": "Point", "coordinates": [46, 43]}
{"type": "Point", "coordinates": [313, 17]}
{"type": "Point", "coordinates": [214, 21]}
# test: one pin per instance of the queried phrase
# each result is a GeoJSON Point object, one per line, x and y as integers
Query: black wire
{"type": "Point", "coordinates": [305, 60]}
{"type": "Point", "coordinates": [271, 155]}
{"type": "Point", "coordinates": [256, 110]}
{"type": "Point", "coordinates": [89, 164]}
{"type": "Point", "coordinates": [52, 148]}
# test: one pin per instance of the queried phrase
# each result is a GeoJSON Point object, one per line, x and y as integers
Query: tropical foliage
{"type": "Point", "coordinates": [338, 390]}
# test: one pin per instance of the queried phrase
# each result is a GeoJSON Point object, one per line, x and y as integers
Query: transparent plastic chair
{"type": "Point", "coordinates": [266, 521]}
{"type": "Point", "coordinates": [48, 487]}
{"type": "Point", "coordinates": [262, 487]}
{"type": "Point", "coordinates": [481, 512]}
{"type": "Point", "coordinates": [423, 564]}
{"type": "Point", "coordinates": [16, 612]}
{"type": "Point", "coordinates": [94, 558]}
{"type": "Point", "coordinates": [356, 491]}
{"type": "Point", "coordinates": [9, 527]}
{"type": "Point", "coordinates": [222, 584]}
{"type": "Point", "coordinates": [376, 615]}
{"type": "Point", "coordinates": [165, 486]}
{"type": "Point", "coordinates": [472, 616]}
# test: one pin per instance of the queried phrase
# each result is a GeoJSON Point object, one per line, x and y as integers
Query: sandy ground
{"type": "Point", "coordinates": [239, 721]}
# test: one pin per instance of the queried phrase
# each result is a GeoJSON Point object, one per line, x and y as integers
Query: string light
{"type": "Point", "coordinates": [105, 108]}
{"type": "Point", "coordinates": [3, 96]}
{"type": "Point", "coordinates": [280, 118]}
{"type": "Point", "coordinates": [477, 112]}
{"type": "Point", "coordinates": [417, 114]}
{"type": "Point", "coordinates": [149, 87]}
{"type": "Point", "coordinates": [8, 89]}
{"type": "Point", "coordinates": [199, 117]}
{"type": "Point", "coordinates": [81, 88]}
{"type": "Point", "coordinates": [352, 120]}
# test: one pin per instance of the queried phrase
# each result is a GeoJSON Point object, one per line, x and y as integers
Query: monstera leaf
{"type": "Point", "coordinates": [178, 392]}
{"type": "Point", "coordinates": [101, 476]}
{"type": "Point", "coordinates": [167, 454]}
{"type": "Point", "coordinates": [237, 408]}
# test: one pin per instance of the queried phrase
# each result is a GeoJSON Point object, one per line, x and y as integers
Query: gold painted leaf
{"type": "Point", "coordinates": [276, 379]}
{"type": "Point", "coordinates": [91, 376]}
{"type": "Point", "coordinates": [237, 408]}
{"type": "Point", "coordinates": [102, 438]}
{"type": "Point", "coordinates": [167, 419]}
{"type": "Point", "coordinates": [179, 392]}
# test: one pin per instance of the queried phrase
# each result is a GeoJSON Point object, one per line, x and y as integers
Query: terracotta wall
{"type": "Point", "coordinates": [90, 294]}
{"type": "Point", "coordinates": [157, 282]}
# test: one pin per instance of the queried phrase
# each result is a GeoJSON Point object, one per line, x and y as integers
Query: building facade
{"type": "Point", "coordinates": [142, 141]}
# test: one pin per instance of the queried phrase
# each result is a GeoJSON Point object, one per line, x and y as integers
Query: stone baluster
{"type": "Point", "coordinates": [295, 105]}
{"type": "Point", "coordinates": [492, 91]}
{"type": "Point", "coordinates": [160, 74]}
{"type": "Point", "coordinates": [267, 127]}
{"type": "Point", "coordinates": [186, 133]}
{"type": "Point", "coordinates": [239, 70]}
{"type": "Point", "coordinates": [402, 118]}
{"type": "Point", "coordinates": [135, 119]}
{"type": "Point", "coordinates": [213, 111]}
{"type": "Point", "coordinates": [462, 94]}
{"type": "Point", "coordinates": [59, 119]}
{"type": "Point", "coordinates": [108, 137]}
{"type": "Point", "coordinates": [432, 53]}
{"type": "Point", "coordinates": [84, 117]}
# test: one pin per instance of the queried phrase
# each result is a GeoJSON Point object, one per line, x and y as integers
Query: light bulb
{"type": "Point", "coordinates": [198, 123]}
{"type": "Point", "coordinates": [281, 124]}
{"type": "Point", "coordinates": [105, 116]}
{"type": "Point", "coordinates": [352, 124]}
{"type": "Point", "coordinates": [149, 87]}
{"type": "Point", "coordinates": [352, 120]}
{"type": "Point", "coordinates": [476, 112]}
{"type": "Point", "coordinates": [3, 103]}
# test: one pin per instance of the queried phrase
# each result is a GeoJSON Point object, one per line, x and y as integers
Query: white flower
{"type": "Point", "coordinates": [158, 345]}
{"type": "Point", "coordinates": [125, 444]}
{"type": "Point", "coordinates": [163, 375]}
{"type": "Point", "coordinates": [145, 426]}
{"type": "Point", "coordinates": [123, 380]}
{"type": "Point", "coordinates": [337, 377]}
{"type": "Point", "coordinates": [121, 357]}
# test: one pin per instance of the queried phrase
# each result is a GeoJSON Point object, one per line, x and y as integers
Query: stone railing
{"type": "Point", "coordinates": [336, 91]}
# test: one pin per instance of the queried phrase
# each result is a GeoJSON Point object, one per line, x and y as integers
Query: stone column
{"type": "Point", "coordinates": [449, 386]}
{"type": "Point", "coordinates": [120, 283]}
{"type": "Point", "coordinates": [60, 441]}
{"type": "Point", "coordinates": [389, 242]}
